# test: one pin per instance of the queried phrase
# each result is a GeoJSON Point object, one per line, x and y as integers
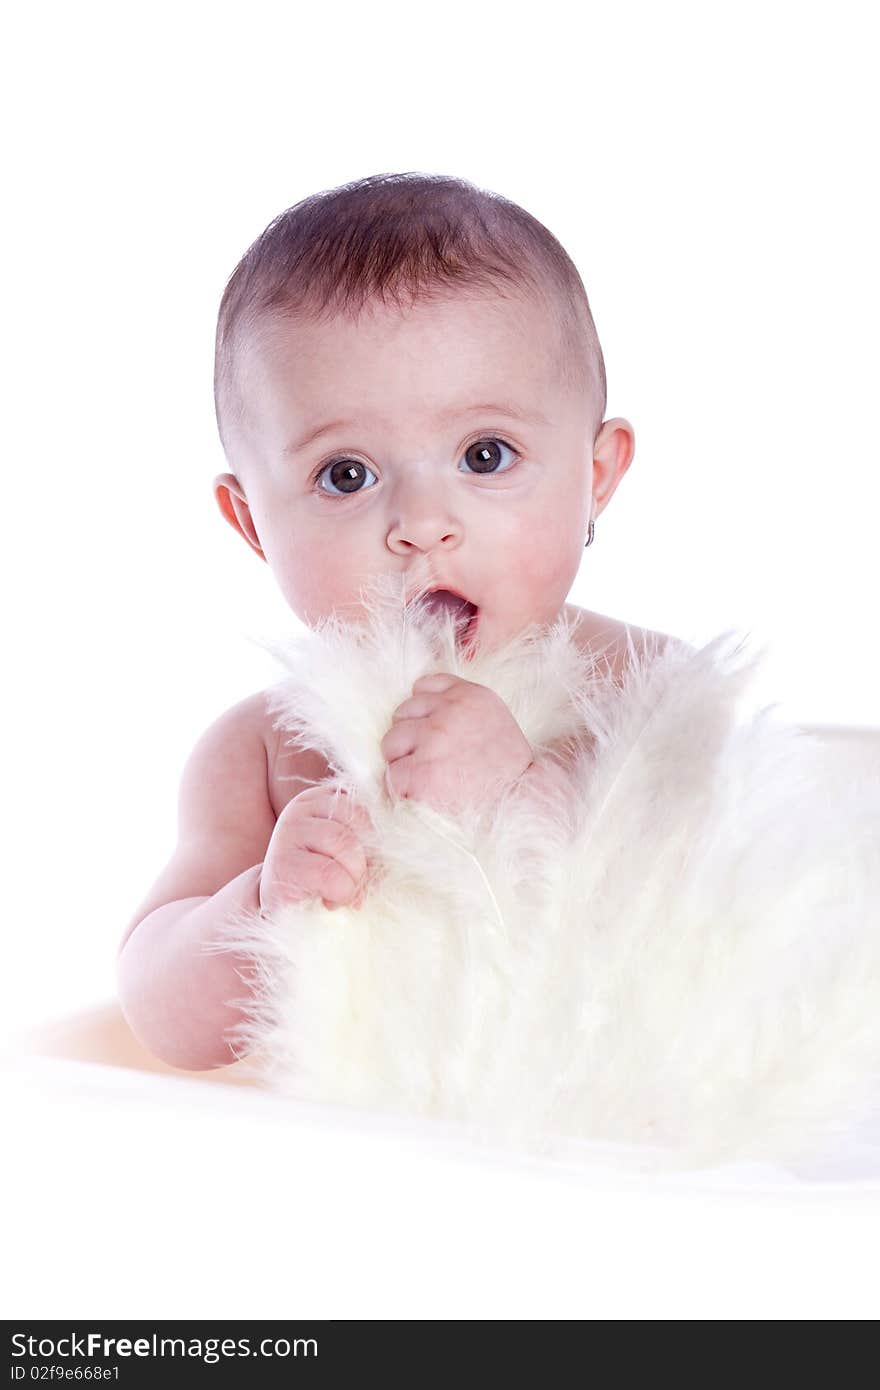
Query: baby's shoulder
{"type": "Point", "coordinates": [606, 637]}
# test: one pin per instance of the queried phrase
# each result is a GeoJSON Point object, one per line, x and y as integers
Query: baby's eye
{"type": "Point", "coordinates": [345, 476]}
{"type": "Point", "coordinates": [483, 455]}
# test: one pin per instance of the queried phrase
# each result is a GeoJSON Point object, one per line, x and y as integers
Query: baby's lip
{"type": "Point", "coordinates": [466, 607]}
{"type": "Point", "coordinates": [446, 589]}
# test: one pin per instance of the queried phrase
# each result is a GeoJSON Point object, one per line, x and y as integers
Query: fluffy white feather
{"type": "Point", "coordinates": [678, 948]}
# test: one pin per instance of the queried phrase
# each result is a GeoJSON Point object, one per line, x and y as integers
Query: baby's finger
{"type": "Point", "coordinates": [416, 707]}
{"type": "Point", "coordinates": [402, 739]}
{"type": "Point", "coordinates": [327, 799]}
{"type": "Point", "coordinates": [303, 874]}
{"type": "Point", "coordinates": [361, 820]}
{"type": "Point", "coordinates": [400, 779]}
{"type": "Point", "coordinates": [328, 837]}
{"type": "Point", "coordinates": [336, 803]}
{"type": "Point", "coordinates": [438, 682]}
{"type": "Point", "coordinates": [350, 810]}
{"type": "Point", "coordinates": [324, 877]}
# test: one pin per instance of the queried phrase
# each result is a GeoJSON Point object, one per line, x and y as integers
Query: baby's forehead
{"type": "Point", "coordinates": [510, 310]}
{"type": "Point", "coordinates": [478, 342]}
{"type": "Point", "coordinates": [436, 354]}
{"type": "Point", "coordinates": [411, 363]}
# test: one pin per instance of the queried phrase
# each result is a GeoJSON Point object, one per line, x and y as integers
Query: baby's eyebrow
{"type": "Point", "coordinates": [533, 417]}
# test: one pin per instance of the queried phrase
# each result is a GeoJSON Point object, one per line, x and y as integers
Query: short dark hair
{"type": "Point", "coordinates": [403, 237]}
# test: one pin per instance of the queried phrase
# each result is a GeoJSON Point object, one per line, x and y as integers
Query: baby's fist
{"type": "Point", "coordinates": [452, 743]}
{"type": "Point", "coordinates": [316, 851]}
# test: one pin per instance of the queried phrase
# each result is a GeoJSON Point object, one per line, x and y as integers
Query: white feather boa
{"type": "Point", "coordinates": [678, 947]}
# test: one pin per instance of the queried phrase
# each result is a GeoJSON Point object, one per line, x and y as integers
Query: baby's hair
{"type": "Point", "coordinates": [399, 238]}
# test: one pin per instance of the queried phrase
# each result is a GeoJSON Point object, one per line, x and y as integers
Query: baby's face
{"type": "Point", "coordinates": [449, 454]}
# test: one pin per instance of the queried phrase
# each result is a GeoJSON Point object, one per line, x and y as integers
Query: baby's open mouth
{"type": "Point", "coordinates": [463, 611]}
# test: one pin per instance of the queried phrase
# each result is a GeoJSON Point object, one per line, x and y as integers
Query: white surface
{"type": "Point", "coordinates": [130, 1194]}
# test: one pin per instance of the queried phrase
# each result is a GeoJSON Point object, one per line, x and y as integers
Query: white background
{"type": "Point", "coordinates": [710, 169]}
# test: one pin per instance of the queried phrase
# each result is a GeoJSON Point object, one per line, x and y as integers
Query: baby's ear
{"type": "Point", "coordinates": [613, 451]}
{"type": "Point", "coordinates": [233, 504]}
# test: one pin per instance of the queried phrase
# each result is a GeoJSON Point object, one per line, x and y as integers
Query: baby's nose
{"type": "Point", "coordinates": [424, 533]}
{"type": "Point", "coordinates": [424, 524]}
{"type": "Point", "coordinates": [422, 512]}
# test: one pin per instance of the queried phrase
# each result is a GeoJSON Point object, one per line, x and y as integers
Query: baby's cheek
{"type": "Point", "coordinates": [315, 583]}
{"type": "Point", "coordinates": [549, 558]}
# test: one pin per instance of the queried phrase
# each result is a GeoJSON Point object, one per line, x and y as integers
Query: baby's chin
{"type": "Point", "coordinates": [492, 630]}
{"type": "Point", "coordinates": [487, 633]}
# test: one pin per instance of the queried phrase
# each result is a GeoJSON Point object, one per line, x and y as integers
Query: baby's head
{"type": "Point", "coordinates": [408, 381]}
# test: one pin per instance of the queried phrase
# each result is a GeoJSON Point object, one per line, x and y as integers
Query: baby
{"type": "Point", "coordinates": [407, 381]}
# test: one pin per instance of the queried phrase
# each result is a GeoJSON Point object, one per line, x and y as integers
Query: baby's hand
{"type": "Point", "coordinates": [453, 742]}
{"type": "Point", "coordinates": [315, 851]}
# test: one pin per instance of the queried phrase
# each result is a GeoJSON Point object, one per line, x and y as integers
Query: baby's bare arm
{"type": "Point", "coordinates": [174, 992]}
{"type": "Point", "coordinates": [182, 1000]}
{"type": "Point", "coordinates": [181, 997]}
